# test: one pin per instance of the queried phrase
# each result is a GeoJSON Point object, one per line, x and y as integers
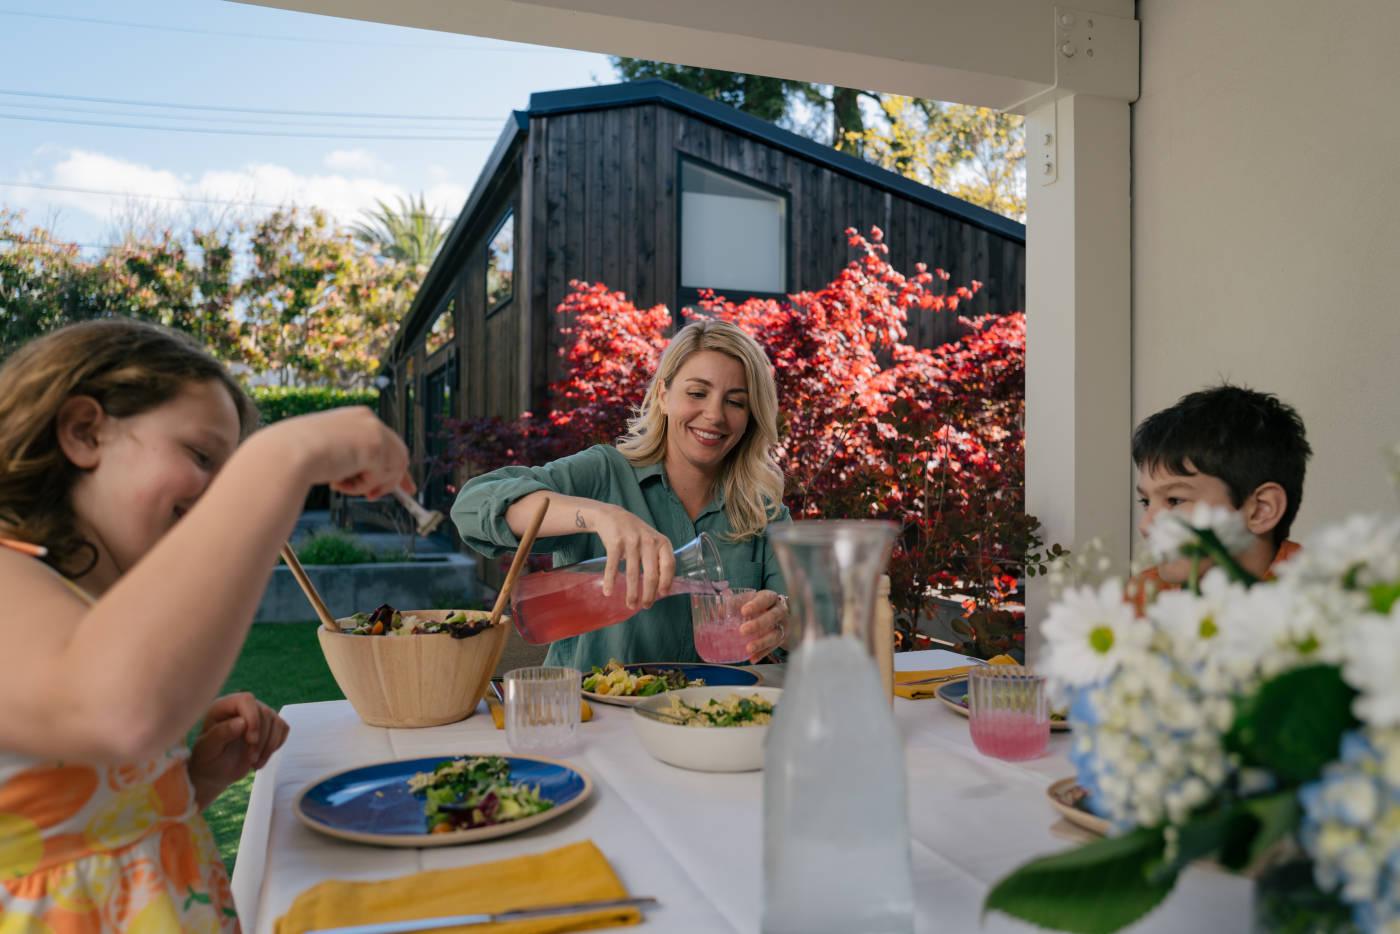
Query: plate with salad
{"type": "Point", "coordinates": [629, 685]}
{"type": "Point", "coordinates": [441, 800]}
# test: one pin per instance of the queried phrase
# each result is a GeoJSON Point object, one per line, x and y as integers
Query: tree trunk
{"type": "Point", "coordinates": [846, 118]}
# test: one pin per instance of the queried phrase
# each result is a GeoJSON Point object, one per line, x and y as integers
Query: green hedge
{"type": "Point", "coordinates": [333, 547]}
{"type": "Point", "coordinates": [279, 402]}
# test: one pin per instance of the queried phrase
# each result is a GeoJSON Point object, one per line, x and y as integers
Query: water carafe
{"type": "Point", "coordinates": [568, 601]}
{"type": "Point", "coordinates": [835, 821]}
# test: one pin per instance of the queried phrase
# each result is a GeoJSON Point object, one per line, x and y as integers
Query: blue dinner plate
{"type": "Point", "coordinates": [954, 695]}
{"type": "Point", "coordinates": [372, 803]}
{"type": "Point", "coordinates": [712, 675]}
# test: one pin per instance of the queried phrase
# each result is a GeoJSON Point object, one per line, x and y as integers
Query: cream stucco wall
{"type": "Point", "coordinates": [1266, 222]}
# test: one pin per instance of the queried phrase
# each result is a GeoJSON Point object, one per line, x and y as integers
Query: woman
{"type": "Point", "coordinates": [696, 458]}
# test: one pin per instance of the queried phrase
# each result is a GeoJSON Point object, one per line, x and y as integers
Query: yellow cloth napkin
{"type": "Point", "coordinates": [574, 873]}
{"type": "Point", "coordinates": [498, 713]}
{"type": "Point", "coordinates": [916, 691]}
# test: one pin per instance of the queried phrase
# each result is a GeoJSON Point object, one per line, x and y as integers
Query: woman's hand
{"type": "Point", "coordinates": [765, 623]}
{"type": "Point", "coordinates": [650, 557]}
{"type": "Point", "coordinates": [350, 449]}
{"type": "Point", "coordinates": [239, 733]}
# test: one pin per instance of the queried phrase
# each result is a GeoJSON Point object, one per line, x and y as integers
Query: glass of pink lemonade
{"type": "Point", "coordinates": [1007, 712]}
{"type": "Point", "coordinates": [715, 620]}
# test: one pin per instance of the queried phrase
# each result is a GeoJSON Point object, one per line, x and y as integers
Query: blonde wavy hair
{"type": "Point", "coordinates": [750, 478]}
{"type": "Point", "coordinates": [129, 367]}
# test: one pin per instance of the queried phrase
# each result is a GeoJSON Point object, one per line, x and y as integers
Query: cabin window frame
{"type": "Point", "coordinates": [508, 216]}
{"type": "Point", "coordinates": [688, 296]}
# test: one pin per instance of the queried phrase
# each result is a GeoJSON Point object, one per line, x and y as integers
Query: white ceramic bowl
{"type": "Point", "coordinates": [704, 749]}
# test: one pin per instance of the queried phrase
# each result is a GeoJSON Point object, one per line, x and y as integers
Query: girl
{"type": "Point", "coordinates": [121, 469]}
{"type": "Point", "coordinates": [696, 458]}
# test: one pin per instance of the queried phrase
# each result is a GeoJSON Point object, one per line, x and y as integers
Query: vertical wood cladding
{"type": "Point", "coordinates": [596, 195]}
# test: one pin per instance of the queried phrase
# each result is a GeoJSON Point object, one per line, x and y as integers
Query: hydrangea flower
{"type": "Point", "coordinates": [1351, 827]}
{"type": "Point", "coordinates": [1361, 551]}
{"type": "Point", "coordinates": [1372, 666]}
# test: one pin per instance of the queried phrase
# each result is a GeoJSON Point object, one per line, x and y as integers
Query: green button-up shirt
{"type": "Point", "coordinates": [659, 634]}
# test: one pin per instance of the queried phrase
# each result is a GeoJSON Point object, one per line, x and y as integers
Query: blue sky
{"type": "Point", "coordinates": [217, 54]}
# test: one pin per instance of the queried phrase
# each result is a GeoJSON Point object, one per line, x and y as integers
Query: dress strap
{"type": "Point", "coordinates": [39, 551]}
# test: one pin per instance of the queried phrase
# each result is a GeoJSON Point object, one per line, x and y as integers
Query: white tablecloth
{"type": "Point", "coordinates": [691, 839]}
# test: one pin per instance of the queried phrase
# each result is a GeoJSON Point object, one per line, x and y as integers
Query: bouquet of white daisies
{"type": "Point", "coordinates": [1238, 721]}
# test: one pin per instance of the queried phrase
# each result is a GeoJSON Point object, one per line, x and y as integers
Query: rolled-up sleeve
{"type": "Point", "coordinates": [480, 510]}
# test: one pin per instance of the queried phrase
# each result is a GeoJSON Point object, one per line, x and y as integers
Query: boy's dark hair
{"type": "Point", "coordinates": [1242, 437]}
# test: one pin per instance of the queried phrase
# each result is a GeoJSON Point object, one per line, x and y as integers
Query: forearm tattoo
{"type": "Point", "coordinates": [579, 521]}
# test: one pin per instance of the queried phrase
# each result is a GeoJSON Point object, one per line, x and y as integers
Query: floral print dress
{"type": "Point", "coordinates": [107, 848]}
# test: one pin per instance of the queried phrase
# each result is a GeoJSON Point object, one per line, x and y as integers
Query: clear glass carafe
{"type": "Point", "coordinates": [835, 818]}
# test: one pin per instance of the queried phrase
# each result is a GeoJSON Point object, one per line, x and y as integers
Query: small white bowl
{"type": "Point", "coordinates": [704, 748]}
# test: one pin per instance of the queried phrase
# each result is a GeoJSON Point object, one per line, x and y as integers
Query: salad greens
{"type": "Point", "coordinates": [463, 794]}
{"type": "Point", "coordinates": [617, 681]}
{"type": "Point", "coordinates": [387, 621]}
{"type": "Point", "coordinates": [730, 711]}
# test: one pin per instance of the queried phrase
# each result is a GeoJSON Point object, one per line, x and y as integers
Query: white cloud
{"type": "Point", "coordinates": [343, 193]}
{"type": "Point", "coordinates": [446, 199]}
{"type": "Point", "coordinates": [356, 160]}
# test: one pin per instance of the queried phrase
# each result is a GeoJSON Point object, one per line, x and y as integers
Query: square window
{"type": "Point", "coordinates": [733, 234]}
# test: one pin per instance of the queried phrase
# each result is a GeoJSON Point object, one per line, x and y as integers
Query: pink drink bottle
{"type": "Point", "coordinates": [569, 601]}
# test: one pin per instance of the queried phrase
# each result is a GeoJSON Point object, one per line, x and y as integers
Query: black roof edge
{"type": "Point", "coordinates": [543, 103]}
{"type": "Point", "coordinates": [515, 129]}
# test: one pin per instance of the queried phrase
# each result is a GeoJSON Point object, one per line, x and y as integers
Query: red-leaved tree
{"type": "Point", "coordinates": [872, 427]}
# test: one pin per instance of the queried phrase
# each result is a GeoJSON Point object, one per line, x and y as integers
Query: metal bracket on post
{"type": "Point", "coordinates": [1045, 141]}
{"type": "Point", "coordinates": [1095, 53]}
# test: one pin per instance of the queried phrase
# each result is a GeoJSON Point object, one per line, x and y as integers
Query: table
{"type": "Point", "coordinates": [694, 840]}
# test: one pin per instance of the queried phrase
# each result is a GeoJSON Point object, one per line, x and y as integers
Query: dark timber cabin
{"type": "Point", "coordinates": [657, 192]}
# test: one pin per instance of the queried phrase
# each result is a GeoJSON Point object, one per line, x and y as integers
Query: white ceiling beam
{"type": "Point", "coordinates": [998, 53]}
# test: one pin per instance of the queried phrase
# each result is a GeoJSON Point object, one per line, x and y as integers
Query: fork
{"type": "Point", "coordinates": [905, 684]}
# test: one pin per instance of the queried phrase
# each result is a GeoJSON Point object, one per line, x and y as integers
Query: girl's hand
{"type": "Point", "coordinates": [650, 557]}
{"type": "Point", "coordinates": [350, 449]}
{"type": "Point", "coordinates": [765, 623]}
{"type": "Point", "coordinates": [239, 733]}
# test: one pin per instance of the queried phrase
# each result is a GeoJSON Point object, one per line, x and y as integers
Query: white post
{"type": "Point", "coordinates": [1079, 330]}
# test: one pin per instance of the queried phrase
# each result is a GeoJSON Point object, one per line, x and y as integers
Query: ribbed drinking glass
{"type": "Point", "coordinates": [1007, 712]}
{"type": "Point", "coordinates": [542, 709]}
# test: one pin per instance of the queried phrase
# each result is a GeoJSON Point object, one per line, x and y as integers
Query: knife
{"type": "Point", "coordinates": [520, 914]}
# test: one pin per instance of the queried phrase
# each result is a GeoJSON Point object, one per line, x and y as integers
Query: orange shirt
{"type": "Point", "coordinates": [1138, 588]}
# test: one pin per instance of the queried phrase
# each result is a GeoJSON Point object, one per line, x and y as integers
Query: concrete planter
{"type": "Point", "coordinates": [429, 580]}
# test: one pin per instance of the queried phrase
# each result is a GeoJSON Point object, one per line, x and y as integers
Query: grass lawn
{"type": "Point", "coordinates": [281, 664]}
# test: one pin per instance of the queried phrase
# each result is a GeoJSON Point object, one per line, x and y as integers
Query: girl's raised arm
{"type": "Point", "coordinates": [131, 674]}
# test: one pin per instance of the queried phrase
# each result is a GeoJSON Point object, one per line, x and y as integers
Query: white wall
{"type": "Point", "coordinates": [1266, 222]}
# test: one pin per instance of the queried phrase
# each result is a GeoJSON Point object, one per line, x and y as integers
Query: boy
{"type": "Point", "coordinates": [1224, 446]}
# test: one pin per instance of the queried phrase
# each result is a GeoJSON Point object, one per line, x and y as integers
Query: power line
{"type": "Point", "coordinates": [208, 118]}
{"type": "Point", "coordinates": [190, 199]}
{"type": "Point", "coordinates": [230, 132]}
{"type": "Point", "coordinates": [160, 27]}
{"type": "Point", "coordinates": [241, 110]}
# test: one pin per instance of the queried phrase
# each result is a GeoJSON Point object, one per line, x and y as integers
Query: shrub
{"type": "Point", "coordinates": [333, 547]}
{"type": "Point", "coordinates": [279, 402]}
{"type": "Point", "coordinates": [872, 427]}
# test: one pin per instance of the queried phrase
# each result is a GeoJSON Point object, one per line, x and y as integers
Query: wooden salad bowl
{"type": "Point", "coordinates": [414, 680]}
